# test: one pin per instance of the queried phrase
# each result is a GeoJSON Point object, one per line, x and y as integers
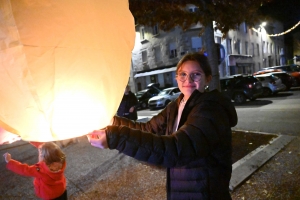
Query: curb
{"type": "Point", "coordinates": [246, 166]}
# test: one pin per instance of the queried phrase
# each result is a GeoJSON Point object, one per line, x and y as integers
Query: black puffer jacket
{"type": "Point", "coordinates": [198, 155]}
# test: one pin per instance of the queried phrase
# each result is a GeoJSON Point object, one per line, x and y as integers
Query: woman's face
{"type": "Point", "coordinates": [187, 87]}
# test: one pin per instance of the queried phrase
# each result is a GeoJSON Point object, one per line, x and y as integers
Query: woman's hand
{"type": "Point", "coordinates": [97, 138]}
{"type": "Point", "coordinates": [7, 157]}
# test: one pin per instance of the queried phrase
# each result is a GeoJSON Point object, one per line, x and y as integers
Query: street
{"type": "Point", "coordinates": [278, 114]}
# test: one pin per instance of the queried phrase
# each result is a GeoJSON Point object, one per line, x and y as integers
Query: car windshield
{"type": "Point", "coordinates": [274, 77]}
{"type": "Point", "coordinates": [250, 79]}
{"type": "Point", "coordinates": [164, 92]}
{"type": "Point", "coordinates": [140, 93]}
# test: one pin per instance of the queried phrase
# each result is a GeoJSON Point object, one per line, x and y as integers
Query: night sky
{"type": "Point", "coordinates": [286, 11]}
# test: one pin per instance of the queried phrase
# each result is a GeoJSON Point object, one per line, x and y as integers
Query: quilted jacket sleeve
{"type": "Point", "coordinates": [22, 169]}
{"type": "Point", "coordinates": [169, 151]}
{"type": "Point", "coordinates": [157, 125]}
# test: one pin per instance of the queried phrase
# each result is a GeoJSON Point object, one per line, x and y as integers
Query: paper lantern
{"type": "Point", "coordinates": [64, 65]}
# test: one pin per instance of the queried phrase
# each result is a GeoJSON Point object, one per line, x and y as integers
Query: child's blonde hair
{"type": "Point", "coordinates": [50, 153]}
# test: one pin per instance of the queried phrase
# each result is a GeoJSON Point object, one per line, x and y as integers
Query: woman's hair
{"type": "Point", "coordinates": [50, 153]}
{"type": "Point", "coordinates": [200, 58]}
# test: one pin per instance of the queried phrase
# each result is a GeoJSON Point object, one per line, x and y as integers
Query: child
{"type": "Point", "coordinates": [49, 179]}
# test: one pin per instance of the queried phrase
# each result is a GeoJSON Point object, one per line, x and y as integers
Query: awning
{"type": "Point", "coordinates": [233, 59]}
{"type": "Point", "coordinates": [159, 71]}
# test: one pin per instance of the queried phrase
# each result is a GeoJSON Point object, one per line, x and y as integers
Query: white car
{"type": "Point", "coordinates": [163, 98]}
{"type": "Point", "coordinates": [271, 84]}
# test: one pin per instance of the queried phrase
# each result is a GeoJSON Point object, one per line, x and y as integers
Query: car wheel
{"type": "Point", "coordinates": [239, 98]}
{"type": "Point", "coordinates": [266, 92]}
{"type": "Point", "coordinates": [167, 102]}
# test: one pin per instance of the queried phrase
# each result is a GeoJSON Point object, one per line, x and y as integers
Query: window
{"type": "Point", "coordinates": [142, 32]}
{"type": "Point", "coordinates": [193, 9]}
{"type": "Point", "coordinates": [238, 47]}
{"type": "Point", "coordinates": [173, 50]}
{"type": "Point", "coordinates": [196, 43]}
{"type": "Point", "coordinates": [155, 30]}
{"type": "Point", "coordinates": [229, 48]}
{"type": "Point", "coordinates": [252, 45]}
{"type": "Point", "coordinates": [267, 47]}
{"type": "Point", "coordinates": [246, 48]}
{"type": "Point", "coordinates": [264, 47]}
{"type": "Point", "coordinates": [257, 47]}
{"type": "Point", "coordinates": [245, 27]}
{"type": "Point", "coordinates": [218, 40]}
{"type": "Point", "coordinates": [271, 48]}
{"type": "Point", "coordinates": [144, 56]}
{"type": "Point", "coordinates": [153, 79]}
{"type": "Point", "coordinates": [157, 52]}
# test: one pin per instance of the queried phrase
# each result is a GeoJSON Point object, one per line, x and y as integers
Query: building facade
{"type": "Point", "coordinates": [242, 51]}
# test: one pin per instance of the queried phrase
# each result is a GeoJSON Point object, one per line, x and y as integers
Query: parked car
{"type": "Point", "coordinates": [144, 95]}
{"type": "Point", "coordinates": [163, 98]}
{"type": "Point", "coordinates": [285, 77]}
{"type": "Point", "coordinates": [241, 87]}
{"type": "Point", "coordinates": [293, 70]}
{"type": "Point", "coordinates": [271, 84]}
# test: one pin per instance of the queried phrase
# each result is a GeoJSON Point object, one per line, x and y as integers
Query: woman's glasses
{"type": "Point", "coordinates": [182, 76]}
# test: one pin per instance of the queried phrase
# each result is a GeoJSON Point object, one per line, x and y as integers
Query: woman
{"type": "Point", "coordinates": [191, 136]}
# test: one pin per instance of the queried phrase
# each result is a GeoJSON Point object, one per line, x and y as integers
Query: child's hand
{"type": "Point", "coordinates": [7, 157]}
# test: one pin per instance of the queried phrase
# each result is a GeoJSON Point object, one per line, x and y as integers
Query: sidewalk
{"type": "Point", "coordinates": [93, 173]}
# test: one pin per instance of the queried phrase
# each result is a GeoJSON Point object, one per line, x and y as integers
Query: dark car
{"type": "Point", "coordinates": [241, 87]}
{"type": "Point", "coordinates": [144, 95]}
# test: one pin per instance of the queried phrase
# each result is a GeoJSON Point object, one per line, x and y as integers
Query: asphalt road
{"type": "Point", "coordinates": [278, 114]}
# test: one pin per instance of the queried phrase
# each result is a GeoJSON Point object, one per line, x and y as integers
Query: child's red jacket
{"type": "Point", "coordinates": [47, 184]}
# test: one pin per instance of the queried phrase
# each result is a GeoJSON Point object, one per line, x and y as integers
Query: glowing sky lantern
{"type": "Point", "coordinates": [64, 65]}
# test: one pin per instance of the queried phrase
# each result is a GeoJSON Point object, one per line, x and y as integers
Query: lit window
{"type": "Point", "coordinates": [196, 43]}
{"type": "Point", "coordinates": [155, 30]}
{"type": "Point", "coordinates": [142, 32]}
{"type": "Point", "coordinates": [144, 56]}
